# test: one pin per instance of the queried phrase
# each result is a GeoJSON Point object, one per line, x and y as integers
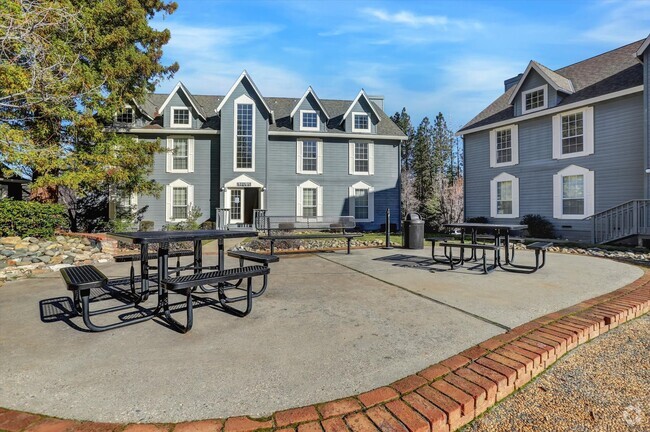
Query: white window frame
{"type": "Point", "coordinates": [190, 154]}
{"type": "Point", "coordinates": [180, 125]}
{"type": "Point", "coordinates": [243, 100]}
{"type": "Point", "coordinates": [319, 199]}
{"type": "Point", "coordinates": [4, 191]}
{"type": "Point", "coordinates": [307, 128]}
{"type": "Point", "coordinates": [132, 116]}
{"type": "Point", "coordinates": [351, 158]}
{"type": "Point", "coordinates": [503, 177]}
{"type": "Point", "coordinates": [371, 201]}
{"type": "Point", "coordinates": [587, 133]}
{"type": "Point", "coordinates": [369, 129]}
{"type": "Point", "coordinates": [300, 154]}
{"type": "Point", "coordinates": [514, 142]}
{"type": "Point", "coordinates": [588, 187]}
{"type": "Point", "coordinates": [523, 99]}
{"type": "Point", "coordinates": [169, 198]}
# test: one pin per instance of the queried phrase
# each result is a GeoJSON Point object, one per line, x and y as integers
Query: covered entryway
{"type": "Point", "coordinates": [243, 195]}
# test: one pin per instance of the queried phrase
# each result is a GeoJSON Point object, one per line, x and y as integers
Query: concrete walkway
{"type": "Point", "coordinates": [331, 325]}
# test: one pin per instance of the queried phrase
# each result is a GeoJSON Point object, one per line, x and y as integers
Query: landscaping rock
{"type": "Point", "coordinates": [33, 248]}
{"type": "Point", "coordinates": [7, 252]}
{"type": "Point", "coordinates": [21, 246]}
{"type": "Point", "coordinates": [10, 240]}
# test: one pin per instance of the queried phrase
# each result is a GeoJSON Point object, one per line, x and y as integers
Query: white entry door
{"type": "Point", "coordinates": [236, 206]}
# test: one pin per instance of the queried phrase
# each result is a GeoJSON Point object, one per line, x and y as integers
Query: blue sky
{"type": "Point", "coordinates": [429, 56]}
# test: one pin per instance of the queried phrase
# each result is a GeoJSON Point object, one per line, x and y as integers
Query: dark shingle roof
{"type": "Point", "coordinates": [281, 108]}
{"type": "Point", "coordinates": [606, 73]}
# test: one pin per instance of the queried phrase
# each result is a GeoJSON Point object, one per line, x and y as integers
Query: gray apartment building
{"type": "Point", "coordinates": [569, 144]}
{"type": "Point", "coordinates": [234, 154]}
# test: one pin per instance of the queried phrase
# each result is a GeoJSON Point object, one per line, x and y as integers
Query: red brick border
{"type": "Point", "coordinates": [440, 398]}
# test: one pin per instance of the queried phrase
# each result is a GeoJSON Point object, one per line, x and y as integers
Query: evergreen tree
{"type": "Point", "coordinates": [422, 162]}
{"type": "Point", "coordinates": [403, 120]}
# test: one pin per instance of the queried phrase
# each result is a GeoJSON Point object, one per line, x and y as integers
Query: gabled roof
{"type": "Point", "coordinates": [302, 99]}
{"type": "Point", "coordinates": [644, 47]}
{"type": "Point", "coordinates": [610, 72]}
{"type": "Point", "coordinates": [557, 81]}
{"type": "Point", "coordinates": [234, 86]}
{"type": "Point", "coordinates": [146, 114]}
{"type": "Point", "coordinates": [361, 94]}
{"type": "Point", "coordinates": [195, 105]}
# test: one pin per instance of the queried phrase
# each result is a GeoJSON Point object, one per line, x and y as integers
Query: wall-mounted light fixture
{"type": "Point", "coordinates": [263, 189]}
{"type": "Point", "coordinates": [223, 189]}
{"type": "Point", "coordinates": [647, 170]}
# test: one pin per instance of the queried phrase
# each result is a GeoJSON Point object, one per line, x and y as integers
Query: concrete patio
{"type": "Point", "coordinates": [330, 326]}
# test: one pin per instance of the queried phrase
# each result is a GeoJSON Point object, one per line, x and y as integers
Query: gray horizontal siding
{"type": "Point", "coordinates": [532, 81]}
{"type": "Point", "coordinates": [180, 100]}
{"type": "Point", "coordinates": [309, 104]}
{"type": "Point", "coordinates": [361, 106]}
{"type": "Point", "coordinates": [617, 164]}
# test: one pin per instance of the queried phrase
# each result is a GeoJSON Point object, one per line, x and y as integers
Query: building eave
{"type": "Point", "coordinates": [243, 75]}
{"type": "Point", "coordinates": [532, 65]}
{"type": "Point", "coordinates": [363, 94]}
{"type": "Point", "coordinates": [181, 86]}
{"type": "Point", "coordinates": [302, 99]}
{"type": "Point", "coordinates": [336, 135]}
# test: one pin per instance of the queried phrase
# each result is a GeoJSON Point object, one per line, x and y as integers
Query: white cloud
{"type": "Point", "coordinates": [624, 22]}
{"type": "Point", "coordinates": [410, 19]}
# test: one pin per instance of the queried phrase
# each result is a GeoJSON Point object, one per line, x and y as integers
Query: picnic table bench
{"type": "Point", "coordinates": [299, 228]}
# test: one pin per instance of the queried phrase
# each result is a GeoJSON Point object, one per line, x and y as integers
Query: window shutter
{"type": "Point", "coordinates": [190, 154]}
{"type": "Point", "coordinates": [493, 148]}
{"type": "Point", "coordinates": [493, 197]}
{"type": "Point", "coordinates": [190, 196]}
{"type": "Point", "coordinates": [170, 155]}
{"type": "Point", "coordinates": [319, 157]}
{"type": "Point", "coordinates": [371, 159]}
{"type": "Point", "coordinates": [299, 201]}
{"type": "Point", "coordinates": [168, 203]}
{"type": "Point", "coordinates": [319, 201]}
{"type": "Point", "coordinates": [557, 196]}
{"type": "Point", "coordinates": [590, 195]}
{"type": "Point", "coordinates": [515, 144]}
{"type": "Point", "coordinates": [371, 204]}
{"type": "Point", "coordinates": [226, 199]}
{"type": "Point", "coordinates": [588, 124]}
{"type": "Point", "coordinates": [299, 157]}
{"type": "Point", "coordinates": [557, 136]}
{"type": "Point", "coordinates": [351, 157]}
{"type": "Point", "coordinates": [351, 201]}
{"type": "Point", "coordinates": [515, 197]}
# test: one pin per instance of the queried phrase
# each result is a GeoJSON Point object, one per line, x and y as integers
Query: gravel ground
{"type": "Point", "coordinates": [603, 385]}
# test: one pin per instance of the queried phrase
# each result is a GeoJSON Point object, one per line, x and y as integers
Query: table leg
{"type": "Point", "coordinates": [198, 256]}
{"type": "Point", "coordinates": [221, 254]}
{"type": "Point", "coordinates": [474, 256]}
{"type": "Point", "coordinates": [144, 272]}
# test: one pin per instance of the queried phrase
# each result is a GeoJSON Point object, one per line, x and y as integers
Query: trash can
{"type": "Point", "coordinates": [413, 228]}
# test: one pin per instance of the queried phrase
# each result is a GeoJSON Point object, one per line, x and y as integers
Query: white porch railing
{"type": "Point", "coordinates": [624, 220]}
{"type": "Point", "coordinates": [223, 218]}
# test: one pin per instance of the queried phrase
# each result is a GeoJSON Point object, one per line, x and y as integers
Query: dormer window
{"type": "Point", "coordinates": [361, 122]}
{"type": "Point", "coordinates": [125, 116]}
{"type": "Point", "coordinates": [309, 120]}
{"type": "Point", "coordinates": [534, 99]}
{"type": "Point", "coordinates": [180, 117]}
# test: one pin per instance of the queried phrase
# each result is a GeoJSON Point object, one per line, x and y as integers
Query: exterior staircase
{"type": "Point", "coordinates": [626, 220]}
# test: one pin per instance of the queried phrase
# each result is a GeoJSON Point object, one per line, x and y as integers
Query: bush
{"type": "Point", "coordinates": [189, 224]}
{"type": "Point", "coordinates": [31, 219]}
{"type": "Point", "coordinates": [538, 226]}
{"type": "Point", "coordinates": [479, 219]}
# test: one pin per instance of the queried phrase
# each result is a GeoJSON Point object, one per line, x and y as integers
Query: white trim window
{"type": "Point", "coordinates": [309, 200]}
{"type": "Point", "coordinates": [361, 202]}
{"type": "Point", "coordinates": [309, 156]}
{"type": "Point", "coordinates": [119, 202]}
{"type": "Point", "coordinates": [361, 156]}
{"type": "Point", "coordinates": [573, 193]}
{"type": "Point", "coordinates": [179, 200]}
{"type": "Point", "coordinates": [180, 117]}
{"type": "Point", "coordinates": [125, 116]}
{"type": "Point", "coordinates": [534, 99]}
{"type": "Point", "coordinates": [504, 146]}
{"type": "Point", "coordinates": [504, 196]}
{"type": "Point", "coordinates": [361, 122]}
{"type": "Point", "coordinates": [309, 120]}
{"type": "Point", "coordinates": [573, 133]}
{"type": "Point", "coordinates": [244, 145]}
{"type": "Point", "coordinates": [180, 154]}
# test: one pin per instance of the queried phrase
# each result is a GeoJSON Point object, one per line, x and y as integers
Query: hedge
{"type": "Point", "coordinates": [31, 219]}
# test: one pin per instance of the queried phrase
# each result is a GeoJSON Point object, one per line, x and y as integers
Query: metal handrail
{"type": "Point", "coordinates": [624, 220]}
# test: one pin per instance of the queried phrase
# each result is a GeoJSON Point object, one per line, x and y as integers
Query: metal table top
{"type": "Point", "coordinates": [511, 227]}
{"type": "Point", "coordinates": [152, 237]}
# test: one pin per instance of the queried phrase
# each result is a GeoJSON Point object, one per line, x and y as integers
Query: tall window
{"type": "Point", "coordinates": [309, 120]}
{"type": "Point", "coordinates": [125, 116]}
{"type": "Point", "coordinates": [534, 99]}
{"type": "Point", "coordinates": [504, 146]}
{"type": "Point", "coordinates": [179, 203]}
{"type": "Point", "coordinates": [572, 133]}
{"type": "Point", "coordinates": [504, 197]}
{"type": "Point", "coordinates": [573, 195]}
{"type": "Point", "coordinates": [361, 122]}
{"type": "Point", "coordinates": [180, 154]}
{"type": "Point", "coordinates": [244, 149]}
{"type": "Point", "coordinates": [180, 116]}
{"type": "Point", "coordinates": [361, 157]}
{"type": "Point", "coordinates": [310, 202]}
{"type": "Point", "coordinates": [361, 204]}
{"type": "Point", "coordinates": [310, 155]}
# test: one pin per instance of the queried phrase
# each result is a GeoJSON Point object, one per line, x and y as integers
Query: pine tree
{"type": "Point", "coordinates": [422, 162]}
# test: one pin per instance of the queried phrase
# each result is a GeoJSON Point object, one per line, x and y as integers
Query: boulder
{"type": "Point", "coordinates": [10, 240]}
{"type": "Point", "coordinates": [33, 248]}
{"type": "Point", "coordinates": [22, 246]}
{"type": "Point", "coordinates": [7, 252]}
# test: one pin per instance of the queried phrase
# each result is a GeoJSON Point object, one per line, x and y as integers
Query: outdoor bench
{"type": "Point", "coordinates": [133, 279]}
{"type": "Point", "coordinates": [186, 285]}
{"type": "Point", "coordinates": [292, 228]}
{"type": "Point", "coordinates": [511, 240]}
{"type": "Point", "coordinates": [540, 246]}
{"type": "Point", "coordinates": [433, 241]}
{"type": "Point", "coordinates": [473, 247]}
{"type": "Point", "coordinates": [252, 256]}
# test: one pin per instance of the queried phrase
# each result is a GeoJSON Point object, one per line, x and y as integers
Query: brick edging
{"type": "Point", "coordinates": [441, 398]}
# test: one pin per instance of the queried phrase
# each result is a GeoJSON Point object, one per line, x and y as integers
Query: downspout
{"type": "Point", "coordinates": [464, 180]}
{"type": "Point", "coordinates": [399, 186]}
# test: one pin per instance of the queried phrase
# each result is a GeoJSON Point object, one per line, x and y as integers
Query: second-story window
{"type": "Point", "coordinates": [244, 138]}
{"type": "Point", "coordinates": [125, 116]}
{"type": "Point", "coordinates": [361, 157]}
{"type": "Point", "coordinates": [361, 122]}
{"type": "Point", "coordinates": [534, 99]}
{"type": "Point", "coordinates": [180, 117]}
{"type": "Point", "coordinates": [310, 155]}
{"type": "Point", "coordinates": [572, 133]}
{"type": "Point", "coordinates": [180, 154]}
{"type": "Point", "coordinates": [309, 120]}
{"type": "Point", "coordinates": [504, 146]}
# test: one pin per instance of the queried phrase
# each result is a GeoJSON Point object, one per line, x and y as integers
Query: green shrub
{"type": "Point", "coordinates": [479, 219]}
{"type": "Point", "coordinates": [189, 224]}
{"type": "Point", "coordinates": [31, 219]}
{"type": "Point", "coordinates": [538, 226]}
